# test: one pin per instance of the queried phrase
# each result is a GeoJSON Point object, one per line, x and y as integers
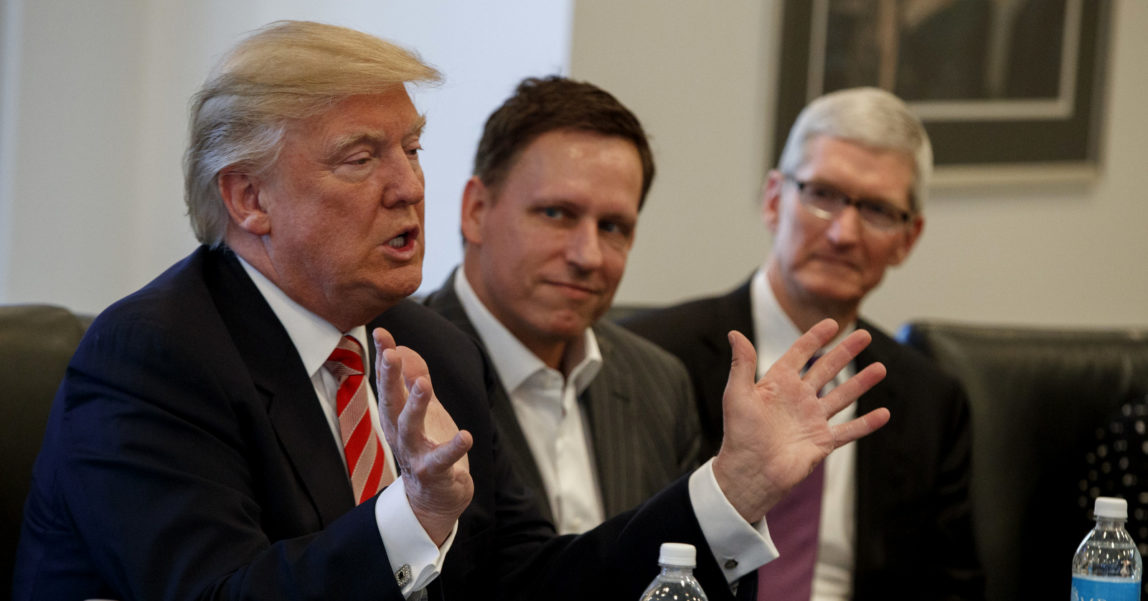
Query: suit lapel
{"type": "Point", "coordinates": [446, 303]}
{"type": "Point", "coordinates": [611, 415]}
{"type": "Point", "coordinates": [730, 312]}
{"type": "Point", "coordinates": [288, 393]}
{"type": "Point", "coordinates": [880, 461]}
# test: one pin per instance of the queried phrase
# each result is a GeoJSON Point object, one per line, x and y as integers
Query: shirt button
{"type": "Point", "coordinates": [730, 564]}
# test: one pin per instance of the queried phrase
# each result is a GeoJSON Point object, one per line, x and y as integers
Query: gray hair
{"type": "Point", "coordinates": [284, 72]}
{"type": "Point", "coordinates": [868, 116]}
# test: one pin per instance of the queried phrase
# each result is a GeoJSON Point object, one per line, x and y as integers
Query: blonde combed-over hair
{"type": "Point", "coordinates": [286, 71]}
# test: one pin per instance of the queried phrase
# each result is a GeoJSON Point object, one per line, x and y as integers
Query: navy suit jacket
{"type": "Point", "coordinates": [187, 457]}
{"type": "Point", "coordinates": [914, 518]}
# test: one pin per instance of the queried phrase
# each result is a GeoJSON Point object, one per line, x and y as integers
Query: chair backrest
{"type": "Point", "coordinates": [36, 342]}
{"type": "Point", "coordinates": [1040, 399]}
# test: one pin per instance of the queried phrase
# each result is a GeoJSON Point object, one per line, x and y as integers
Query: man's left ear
{"type": "Point", "coordinates": [916, 226]}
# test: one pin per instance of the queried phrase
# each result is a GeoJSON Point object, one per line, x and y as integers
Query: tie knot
{"type": "Point", "coordinates": [346, 359]}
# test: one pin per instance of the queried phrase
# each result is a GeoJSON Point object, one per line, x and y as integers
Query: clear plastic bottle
{"type": "Point", "coordinates": [1107, 564]}
{"type": "Point", "coordinates": [676, 582]}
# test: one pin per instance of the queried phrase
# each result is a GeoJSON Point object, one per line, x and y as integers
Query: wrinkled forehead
{"type": "Point", "coordinates": [384, 117]}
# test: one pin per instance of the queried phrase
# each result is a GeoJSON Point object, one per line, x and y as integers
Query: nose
{"type": "Point", "coordinates": [583, 247]}
{"type": "Point", "coordinates": [405, 184]}
{"type": "Point", "coordinates": [845, 227]}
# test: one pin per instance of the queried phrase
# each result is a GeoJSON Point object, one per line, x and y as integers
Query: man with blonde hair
{"type": "Point", "coordinates": [889, 517]}
{"type": "Point", "coordinates": [216, 434]}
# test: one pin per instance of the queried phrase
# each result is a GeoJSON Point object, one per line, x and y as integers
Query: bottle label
{"type": "Point", "coordinates": [1093, 588]}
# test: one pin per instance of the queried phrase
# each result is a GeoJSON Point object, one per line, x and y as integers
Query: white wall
{"type": "Point", "coordinates": [93, 111]}
{"type": "Point", "coordinates": [701, 76]}
{"type": "Point", "coordinates": [93, 99]}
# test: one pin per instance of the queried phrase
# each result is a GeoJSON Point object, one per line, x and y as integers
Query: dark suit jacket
{"type": "Point", "coordinates": [187, 457]}
{"type": "Point", "coordinates": [640, 407]}
{"type": "Point", "coordinates": [914, 524]}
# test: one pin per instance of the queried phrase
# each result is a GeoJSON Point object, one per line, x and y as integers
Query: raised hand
{"type": "Point", "coordinates": [777, 429]}
{"type": "Point", "coordinates": [429, 448]}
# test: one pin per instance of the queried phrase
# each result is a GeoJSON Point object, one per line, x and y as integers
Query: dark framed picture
{"type": "Point", "coordinates": [1000, 84]}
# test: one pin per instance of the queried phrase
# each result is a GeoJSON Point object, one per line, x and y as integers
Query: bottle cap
{"type": "Point", "coordinates": [678, 554]}
{"type": "Point", "coordinates": [1111, 507]}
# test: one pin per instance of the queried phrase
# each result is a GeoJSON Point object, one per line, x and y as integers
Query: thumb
{"type": "Point", "coordinates": [743, 366]}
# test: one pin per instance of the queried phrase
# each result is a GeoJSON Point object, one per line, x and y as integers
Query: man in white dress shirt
{"type": "Point", "coordinates": [843, 205]}
{"type": "Point", "coordinates": [598, 419]}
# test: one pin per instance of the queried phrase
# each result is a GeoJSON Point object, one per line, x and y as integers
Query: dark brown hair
{"type": "Point", "coordinates": [541, 105]}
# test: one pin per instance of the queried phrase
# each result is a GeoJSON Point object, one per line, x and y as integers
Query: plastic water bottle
{"type": "Point", "coordinates": [1107, 566]}
{"type": "Point", "coordinates": [676, 582]}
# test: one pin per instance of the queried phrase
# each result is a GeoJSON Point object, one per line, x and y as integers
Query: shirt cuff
{"type": "Point", "coordinates": [738, 546]}
{"type": "Point", "coordinates": [415, 559]}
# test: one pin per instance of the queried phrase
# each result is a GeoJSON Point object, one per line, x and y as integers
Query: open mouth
{"type": "Point", "coordinates": [404, 240]}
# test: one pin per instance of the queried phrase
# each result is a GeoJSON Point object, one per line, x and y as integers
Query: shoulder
{"type": "Point", "coordinates": [657, 322]}
{"type": "Point", "coordinates": [695, 330]}
{"type": "Point", "coordinates": [622, 344]}
{"type": "Point", "coordinates": [174, 311]}
{"type": "Point", "coordinates": [886, 349]}
{"type": "Point", "coordinates": [453, 357]}
{"type": "Point", "coordinates": [910, 374]}
{"type": "Point", "coordinates": [426, 331]}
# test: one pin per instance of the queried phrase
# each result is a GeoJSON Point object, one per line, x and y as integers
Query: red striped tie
{"type": "Point", "coordinates": [366, 460]}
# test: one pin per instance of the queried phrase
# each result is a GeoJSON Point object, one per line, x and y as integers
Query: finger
{"type": "Point", "coordinates": [391, 389]}
{"type": "Point", "coordinates": [816, 337]}
{"type": "Point", "coordinates": [742, 367]}
{"type": "Point", "coordinates": [414, 366]}
{"type": "Point", "coordinates": [829, 365]}
{"type": "Point", "coordinates": [412, 421]}
{"type": "Point", "coordinates": [858, 427]}
{"type": "Point", "coordinates": [852, 389]}
{"type": "Point", "coordinates": [383, 340]}
{"type": "Point", "coordinates": [444, 456]}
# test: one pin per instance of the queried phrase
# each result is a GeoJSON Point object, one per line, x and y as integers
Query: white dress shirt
{"type": "Point", "coordinates": [407, 544]}
{"type": "Point", "coordinates": [553, 422]}
{"type": "Point", "coordinates": [774, 333]}
{"type": "Point", "coordinates": [738, 546]}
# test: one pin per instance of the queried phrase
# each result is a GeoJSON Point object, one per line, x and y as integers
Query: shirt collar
{"type": "Point", "coordinates": [515, 363]}
{"type": "Point", "coordinates": [773, 331]}
{"type": "Point", "coordinates": [314, 338]}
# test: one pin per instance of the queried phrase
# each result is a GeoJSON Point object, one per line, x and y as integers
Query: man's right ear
{"type": "Point", "coordinates": [476, 200]}
{"type": "Point", "coordinates": [241, 195]}
{"type": "Point", "coordinates": [771, 199]}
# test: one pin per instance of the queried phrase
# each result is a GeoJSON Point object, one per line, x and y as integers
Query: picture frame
{"type": "Point", "coordinates": [1009, 90]}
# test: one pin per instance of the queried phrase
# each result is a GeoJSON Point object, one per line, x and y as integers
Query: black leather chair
{"type": "Point", "coordinates": [36, 342]}
{"type": "Point", "coordinates": [1043, 403]}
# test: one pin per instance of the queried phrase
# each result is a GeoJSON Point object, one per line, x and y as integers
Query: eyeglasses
{"type": "Point", "coordinates": [827, 202]}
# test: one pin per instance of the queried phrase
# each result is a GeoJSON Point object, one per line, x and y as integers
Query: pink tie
{"type": "Point", "coordinates": [366, 460]}
{"type": "Point", "coordinates": [793, 524]}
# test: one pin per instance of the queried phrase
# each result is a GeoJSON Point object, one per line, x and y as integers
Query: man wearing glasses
{"type": "Point", "coordinates": [889, 517]}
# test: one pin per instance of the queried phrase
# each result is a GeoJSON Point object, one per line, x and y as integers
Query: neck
{"type": "Point", "coordinates": [805, 310]}
{"type": "Point", "coordinates": [551, 351]}
{"type": "Point", "coordinates": [307, 294]}
{"type": "Point", "coordinates": [552, 354]}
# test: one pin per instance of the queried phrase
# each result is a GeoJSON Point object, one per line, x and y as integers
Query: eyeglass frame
{"type": "Point", "coordinates": [900, 216]}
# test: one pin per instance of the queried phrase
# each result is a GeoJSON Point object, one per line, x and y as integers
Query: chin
{"type": "Point", "coordinates": [398, 286]}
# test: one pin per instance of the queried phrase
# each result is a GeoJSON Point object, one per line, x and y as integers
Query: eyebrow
{"type": "Point", "coordinates": [373, 138]}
